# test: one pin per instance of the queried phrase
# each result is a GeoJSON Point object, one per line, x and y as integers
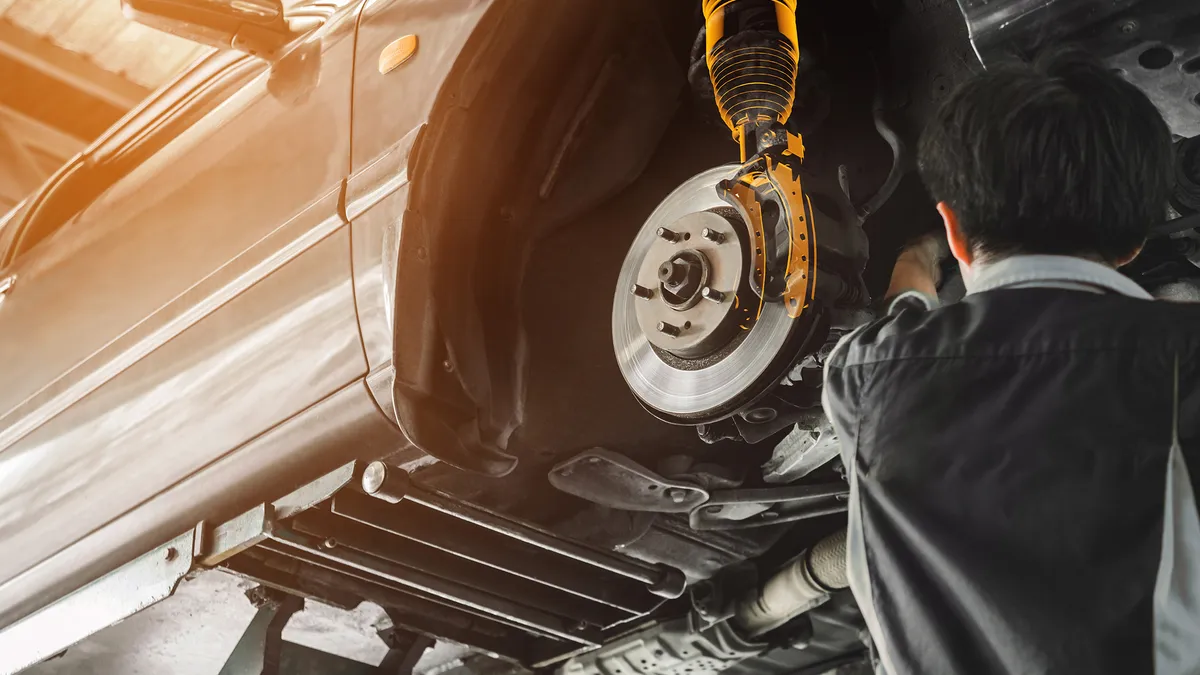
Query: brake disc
{"type": "Point", "coordinates": [688, 332]}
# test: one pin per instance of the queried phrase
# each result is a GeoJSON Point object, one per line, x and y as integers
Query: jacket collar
{"type": "Point", "coordinates": [1051, 271]}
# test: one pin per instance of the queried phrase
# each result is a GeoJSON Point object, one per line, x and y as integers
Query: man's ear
{"type": "Point", "coordinates": [1125, 260]}
{"type": "Point", "coordinates": [959, 247]}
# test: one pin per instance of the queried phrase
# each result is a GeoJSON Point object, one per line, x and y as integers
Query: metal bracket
{"type": "Point", "coordinates": [116, 596]}
{"type": "Point", "coordinates": [610, 479]}
{"type": "Point", "coordinates": [801, 452]}
{"type": "Point", "coordinates": [259, 650]}
{"type": "Point", "coordinates": [760, 507]}
{"type": "Point", "coordinates": [263, 651]}
{"type": "Point", "coordinates": [151, 577]}
{"type": "Point", "coordinates": [405, 649]}
{"type": "Point", "coordinates": [221, 542]}
{"type": "Point", "coordinates": [613, 480]}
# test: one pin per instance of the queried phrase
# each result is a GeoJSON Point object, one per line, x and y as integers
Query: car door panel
{"type": "Point", "coordinates": [176, 316]}
{"type": "Point", "coordinates": [389, 105]}
{"type": "Point", "coordinates": [203, 299]}
{"type": "Point", "coordinates": [162, 229]}
{"type": "Point", "coordinates": [269, 352]}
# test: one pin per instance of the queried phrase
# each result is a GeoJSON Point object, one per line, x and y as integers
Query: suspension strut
{"type": "Point", "coordinates": [752, 51]}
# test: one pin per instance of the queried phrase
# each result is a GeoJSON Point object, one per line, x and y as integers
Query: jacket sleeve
{"type": "Point", "coordinates": [848, 368]}
{"type": "Point", "coordinates": [841, 396]}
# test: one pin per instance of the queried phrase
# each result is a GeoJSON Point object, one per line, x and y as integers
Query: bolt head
{"type": "Point", "coordinates": [329, 543]}
{"type": "Point", "coordinates": [259, 596]}
{"type": "Point", "coordinates": [373, 477]}
{"type": "Point", "coordinates": [390, 638]}
{"type": "Point", "coordinates": [677, 495]}
{"type": "Point", "coordinates": [673, 272]}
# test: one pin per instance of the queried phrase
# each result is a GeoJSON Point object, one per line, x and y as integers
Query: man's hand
{"type": "Point", "coordinates": [918, 268]}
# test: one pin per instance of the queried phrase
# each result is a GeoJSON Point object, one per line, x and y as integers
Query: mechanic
{"type": "Point", "coordinates": [1009, 454]}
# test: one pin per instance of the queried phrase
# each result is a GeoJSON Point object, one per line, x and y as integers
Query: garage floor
{"type": "Point", "coordinates": [193, 632]}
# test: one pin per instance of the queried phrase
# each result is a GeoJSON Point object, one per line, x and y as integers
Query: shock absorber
{"type": "Point", "coordinates": [752, 53]}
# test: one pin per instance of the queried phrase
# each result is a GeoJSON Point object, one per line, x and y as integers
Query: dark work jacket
{"type": "Point", "coordinates": [1008, 460]}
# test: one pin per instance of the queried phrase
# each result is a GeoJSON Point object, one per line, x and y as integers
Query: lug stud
{"type": "Point", "coordinates": [712, 235]}
{"type": "Point", "coordinates": [710, 293]}
{"type": "Point", "coordinates": [668, 329]}
{"type": "Point", "coordinates": [670, 235]}
{"type": "Point", "coordinates": [642, 292]}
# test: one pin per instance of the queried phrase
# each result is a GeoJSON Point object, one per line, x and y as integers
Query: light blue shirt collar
{"type": "Point", "coordinates": [1051, 271]}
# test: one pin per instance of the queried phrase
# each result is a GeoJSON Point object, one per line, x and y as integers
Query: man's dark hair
{"type": "Point", "coordinates": [1057, 156]}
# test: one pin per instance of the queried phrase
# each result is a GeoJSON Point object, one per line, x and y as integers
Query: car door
{"type": "Point", "coordinates": [201, 299]}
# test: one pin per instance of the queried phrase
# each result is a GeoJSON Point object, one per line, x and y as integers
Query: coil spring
{"type": "Point", "coordinates": [752, 54]}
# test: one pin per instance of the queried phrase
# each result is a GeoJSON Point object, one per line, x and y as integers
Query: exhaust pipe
{"type": "Point", "coordinates": [802, 584]}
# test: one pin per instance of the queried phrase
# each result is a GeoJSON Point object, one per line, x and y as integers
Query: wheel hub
{"type": "Point", "coordinates": [688, 283]}
{"type": "Point", "coordinates": [681, 278]}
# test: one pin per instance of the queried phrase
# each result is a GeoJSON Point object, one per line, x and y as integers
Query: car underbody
{"type": "Point", "coordinates": [617, 458]}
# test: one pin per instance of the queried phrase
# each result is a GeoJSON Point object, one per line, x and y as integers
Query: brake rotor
{"type": "Point", "coordinates": [689, 335]}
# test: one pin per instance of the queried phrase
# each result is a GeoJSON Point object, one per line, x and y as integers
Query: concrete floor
{"type": "Point", "coordinates": [193, 632]}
